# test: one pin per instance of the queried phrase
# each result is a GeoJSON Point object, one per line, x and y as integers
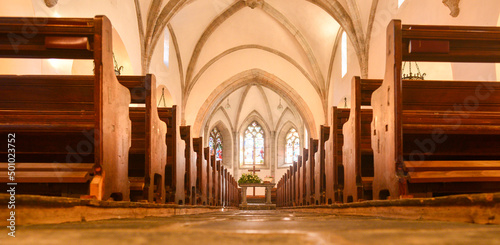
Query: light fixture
{"type": "Point", "coordinates": [228, 106]}
{"type": "Point", "coordinates": [280, 106]}
{"type": "Point", "coordinates": [162, 98]}
{"type": "Point", "coordinates": [118, 69]}
{"type": "Point", "coordinates": [410, 75]}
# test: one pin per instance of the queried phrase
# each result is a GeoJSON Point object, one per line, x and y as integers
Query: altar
{"type": "Point", "coordinates": [268, 186]}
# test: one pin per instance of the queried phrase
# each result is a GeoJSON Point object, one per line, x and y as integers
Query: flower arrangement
{"type": "Point", "coordinates": [268, 179]}
{"type": "Point", "coordinates": [249, 178]}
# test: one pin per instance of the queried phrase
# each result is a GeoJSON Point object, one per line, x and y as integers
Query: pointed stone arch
{"type": "Point", "coordinates": [281, 141]}
{"type": "Point", "coordinates": [263, 78]}
{"type": "Point", "coordinates": [227, 142]}
{"type": "Point", "coordinates": [255, 116]}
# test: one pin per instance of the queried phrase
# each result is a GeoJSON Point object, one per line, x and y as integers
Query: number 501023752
{"type": "Point", "coordinates": [11, 155]}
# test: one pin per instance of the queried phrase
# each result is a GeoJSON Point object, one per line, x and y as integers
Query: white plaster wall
{"type": "Point", "coordinates": [341, 85]}
{"type": "Point", "coordinates": [167, 76]}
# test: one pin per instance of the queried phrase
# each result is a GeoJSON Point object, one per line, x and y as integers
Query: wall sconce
{"type": "Point", "coordinates": [280, 106]}
{"type": "Point", "coordinates": [228, 106]}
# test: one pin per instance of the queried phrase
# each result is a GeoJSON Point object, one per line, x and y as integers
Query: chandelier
{"type": "Point", "coordinates": [410, 75]}
{"type": "Point", "coordinates": [118, 69]}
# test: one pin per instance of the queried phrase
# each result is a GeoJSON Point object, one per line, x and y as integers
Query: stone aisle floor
{"type": "Point", "coordinates": [256, 227]}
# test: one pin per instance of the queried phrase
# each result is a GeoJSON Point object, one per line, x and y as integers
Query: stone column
{"type": "Point", "coordinates": [273, 159]}
{"type": "Point", "coordinates": [268, 194]}
{"type": "Point", "coordinates": [243, 195]}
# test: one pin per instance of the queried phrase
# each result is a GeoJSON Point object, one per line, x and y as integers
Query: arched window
{"type": "Point", "coordinates": [344, 54]}
{"type": "Point", "coordinates": [292, 150]}
{"type": "Point", "coordinates": [400, 2]}
{"type": "Point", "coordinates": [166, 48]}
{"type": "Point", "coordinates": [215, 143]}
{"type": "Point", "coordinates": [253, 144]}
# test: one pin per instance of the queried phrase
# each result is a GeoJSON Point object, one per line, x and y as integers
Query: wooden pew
{"type": "Point", "coordinates": [214, 180]}
{"type": "Point", "coordinates": [236, 194]}
{"type": "Point", "coordinates": [333, 167]}
{"type": "Point", "coordinates": [82, 125]}
{"type": "Point", "coordinates": [320, 196]}
{"type": "Point", "coordinates": [295, 184]}
{"type": "Point", "coordinates": [201, 172]}
{"type": "Point", "coordinates": [208, 175]}
{"type": "Point", "coordinates": [173, 179]}
{"type": "Point", "coordinates": [436, 137]}
{"type": "Point", "coordinates": [299, 181]}
{"type": "Point", "coordinates": [305, 191]}
{"type": "Point", "coordinates": [228, 190]}
{"type": "Point", "coordinates": [219, 183]}
{"type": "Point", "coordinates": [357, 153]}
{"type": "Point", "coordinates": [148, 152]}
{"type": "Point", "coordinates": [285, 189]}
{"type": "Point", "coordinates": [278, 193]}
{"type": "Point", "coordinates": [223, 186]}
{"type": "Point", "coordinates": [313, 184]}
{"type": "Point", "coordinates": [291, 188]}
{"type": "Point", "coordinates": [190, 166]}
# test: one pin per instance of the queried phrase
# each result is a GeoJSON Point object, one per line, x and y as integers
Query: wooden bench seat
{"type": "Point", "coordinates": [136, 183]}
{"type": "Point", "coordinates": [65, 167]}
{"type": "Point", "coordinates": [357, 153]}
{"type": "Point", "coordinates": [367, 183]}
{"type": "Point", "coordinates": [50, 177]}
{"type": "Point", "coordinates": [299, 185]}
{"type": "Point", "coordinates": [311, 173]}
{"type": "Point", "coordinates": [417, 166]}
{"type": "Point", "coordinates": [148, 151]}
{"type": "Point", "coordinates": [321, 165]}
{"type": "Point", "coordinates": [48, 172]}
{"type": "Point", "coordinates": [453, 171]}
{"type": "Point", "coordinates": [333, 167]}
{"type": "Point", "coordinates": [201, 172]}
{"type": "Point", "coordinates": [208, 174]}
{"type": "Point", "coordinates": [173, 179]}
{"type": "Point", "coordinates": [304, 174]}
{"type": "Point", "coordinates": [436, 137]}
{"type": "Point", "coordinates": [68, 119]}
{"type": "Point", "coordinates": [189, 165]}
{"type": "Point", "coordinates": [454, 176]}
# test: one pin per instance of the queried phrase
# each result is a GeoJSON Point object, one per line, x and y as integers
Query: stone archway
{"type": "Point", "coordinates": [262, 78]}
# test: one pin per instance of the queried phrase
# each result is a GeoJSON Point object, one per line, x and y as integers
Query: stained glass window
{"type": "Point", "coordinates": [215, 143]}
{"type": "Point", "coordinates": [253, 144]}
{"type": "Point", "coordinates": [292, 150]}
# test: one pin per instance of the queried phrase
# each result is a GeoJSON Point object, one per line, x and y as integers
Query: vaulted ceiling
{"type": "Point", "coordinates": [215, 41]}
